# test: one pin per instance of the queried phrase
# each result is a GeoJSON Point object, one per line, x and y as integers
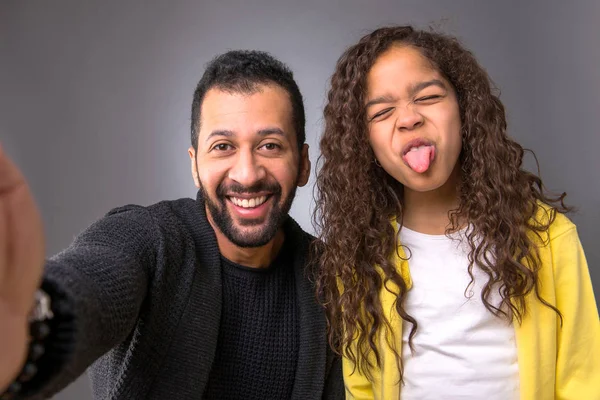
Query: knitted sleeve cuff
{"type": "Point", "coordinates": [59, 345]}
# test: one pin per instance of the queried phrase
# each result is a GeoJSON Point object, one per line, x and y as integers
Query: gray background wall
{"type": "Point", "coordinates": [95, 96]}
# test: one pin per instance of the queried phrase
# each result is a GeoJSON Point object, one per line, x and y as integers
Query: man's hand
{"type": "Point", "coordinates": [21, 265]}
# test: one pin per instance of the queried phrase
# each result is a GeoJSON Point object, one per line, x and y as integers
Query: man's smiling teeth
{"type": "Point", "coordinates": [248, 203]}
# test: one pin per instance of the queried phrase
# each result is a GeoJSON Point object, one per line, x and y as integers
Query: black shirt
{"type": "Point", "coordinates": [257, 349]}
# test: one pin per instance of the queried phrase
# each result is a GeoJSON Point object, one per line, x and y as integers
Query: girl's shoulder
{"type": "Point", "coordinates": [557, 223]}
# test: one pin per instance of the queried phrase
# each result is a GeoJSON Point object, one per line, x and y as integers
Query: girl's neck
{"type": "Point", "coordinates": [428, 212]}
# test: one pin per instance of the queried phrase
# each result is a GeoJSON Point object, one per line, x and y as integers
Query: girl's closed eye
{"type": "Point", "coordinates": [381, 113]}
{"type": "Point", "coordinates": [429, 98]}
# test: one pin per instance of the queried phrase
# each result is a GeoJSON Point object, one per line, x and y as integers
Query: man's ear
{"type": "Point", "coordinates": [304, 172]}
{"type": "Point", "coordinates": [192, 153]}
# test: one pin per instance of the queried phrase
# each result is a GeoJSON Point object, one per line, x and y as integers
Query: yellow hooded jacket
{"type": "Point", "coordinates": [555, 362]}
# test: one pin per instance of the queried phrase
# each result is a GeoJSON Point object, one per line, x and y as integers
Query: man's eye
{"type": "Point", "coordinates": [271, 146]}
{"type": "Point", "coordinates": [222, 147]}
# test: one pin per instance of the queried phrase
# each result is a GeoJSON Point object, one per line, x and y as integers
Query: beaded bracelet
{"type": "Point", "coordinates": [38, 331]}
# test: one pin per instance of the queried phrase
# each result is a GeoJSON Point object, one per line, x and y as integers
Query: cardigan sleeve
{"type": "Point", "coordinates": [99, 282]}
{"type": "Point", "coordinates": [578, 344]}
{"type": "Point", "coordinates": [358, 386]}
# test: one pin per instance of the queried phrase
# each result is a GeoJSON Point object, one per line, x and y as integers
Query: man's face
{"type": "Point", "coordinates": [247, 163]}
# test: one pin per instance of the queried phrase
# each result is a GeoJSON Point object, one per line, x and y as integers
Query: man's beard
{"type": "Point", "coordinates": [270, 225]}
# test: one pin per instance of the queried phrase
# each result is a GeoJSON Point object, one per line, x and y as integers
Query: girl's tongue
{"type": "Point", "coordinates": [419, 158]}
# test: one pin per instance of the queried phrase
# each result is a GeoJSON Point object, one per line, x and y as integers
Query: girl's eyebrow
{"type": "Point", "coordinates": [414, 89]}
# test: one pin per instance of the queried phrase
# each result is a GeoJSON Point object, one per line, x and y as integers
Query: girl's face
{"type": "Point", "coordinates": [413, 120]}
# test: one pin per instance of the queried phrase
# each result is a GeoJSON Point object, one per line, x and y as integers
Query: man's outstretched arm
{"type": "Point", "coordinates": [96, 286]}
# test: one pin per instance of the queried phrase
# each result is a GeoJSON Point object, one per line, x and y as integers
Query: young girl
{"type": "Point", "coordinates": [447, 271]}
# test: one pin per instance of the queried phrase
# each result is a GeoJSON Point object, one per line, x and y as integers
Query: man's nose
{"type": "Point", "coordinates": [247, 169]}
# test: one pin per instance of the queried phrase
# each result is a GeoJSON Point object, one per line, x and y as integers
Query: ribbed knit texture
{"type": "Point", "coordinates": [257, 350]}
{"type": "Point", "coordinates": [145, 294]}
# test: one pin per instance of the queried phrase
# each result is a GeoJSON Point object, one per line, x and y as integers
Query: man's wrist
{"type": "Point", "coordinates": [15, 333]}
{"type": "Point", "coordinates": [36, 329]}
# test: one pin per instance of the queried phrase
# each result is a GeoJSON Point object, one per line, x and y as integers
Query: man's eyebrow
{"type": "Point", "coordinates": [386, 98]}
{"type": "Point", "coordinates": [228, 133]}
{"type": "Point", "coordinates": [271, 131]}
{"type": "Point", "coordinates": [219, 132]}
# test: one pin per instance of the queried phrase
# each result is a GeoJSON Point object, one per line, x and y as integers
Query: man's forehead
{"type": "Point", "coordinates": [267, 109]}
{"type": "Point", "coordinates": [254, 94]}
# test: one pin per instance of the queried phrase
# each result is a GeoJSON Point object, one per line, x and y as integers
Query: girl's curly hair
{"type": "Point", "coordinates": [355, 199]}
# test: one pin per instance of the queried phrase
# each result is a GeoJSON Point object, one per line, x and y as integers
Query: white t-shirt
{"type": "Point", "coordinates": [462, 351]}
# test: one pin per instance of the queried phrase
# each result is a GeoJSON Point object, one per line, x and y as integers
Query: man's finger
{"type": "Point", "coordinates": [21, 237]}
{"type": "Point", "coordinates": [24, 241]}
{"type": "Point", "coordinates": [10, 176]}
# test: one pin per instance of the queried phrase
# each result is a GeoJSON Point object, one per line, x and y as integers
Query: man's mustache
{"type": "Point", "coordinates": [272, 188]}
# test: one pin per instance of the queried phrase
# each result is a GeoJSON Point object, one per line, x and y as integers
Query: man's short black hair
{"type": "Point", "coordinates": [241, 71]}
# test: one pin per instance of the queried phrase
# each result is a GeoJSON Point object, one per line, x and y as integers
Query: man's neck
{"type": "Point", "coordinates": [428, 212]}
{"type": "Point", "coordinates": [255, 257]}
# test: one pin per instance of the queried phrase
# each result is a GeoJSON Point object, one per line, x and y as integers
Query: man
{"type": "Point", "coordinates": [182, 299]}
